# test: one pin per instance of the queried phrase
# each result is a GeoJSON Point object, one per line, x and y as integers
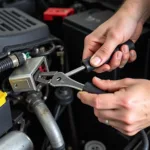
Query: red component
{"type": "Point", "coordinates": [50, 13]}
{"type": "Point", "coordinates": [42, 69]}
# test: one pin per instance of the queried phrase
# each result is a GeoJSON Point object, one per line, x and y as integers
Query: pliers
{"type": "Point", "coordinates": [60, 79]}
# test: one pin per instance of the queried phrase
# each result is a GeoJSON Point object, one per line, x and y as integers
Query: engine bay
{"type": "Point", "coordinates": [47, 36]}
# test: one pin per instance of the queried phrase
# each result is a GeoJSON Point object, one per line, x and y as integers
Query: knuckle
{"type": "Point", "coordinates": [129, 119]}
{"type": "Point", "coordinates": [113, 34]}
{"type": "Point", "coordinates": [128, 129]}
{"type": "Point", "coordinates": [127, 81]}
{"type": "Point", "coordinates": [125, 103]}
{"type": "Point", "coordinates": [104, 51]}
{"type": "Point", "coordinates": [87, 39]}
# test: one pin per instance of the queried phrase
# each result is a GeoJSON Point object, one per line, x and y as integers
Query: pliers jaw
{"type": "Point", "coordinates": [58, 79]}
{"type": "Point", "coordinates": [45, 77]}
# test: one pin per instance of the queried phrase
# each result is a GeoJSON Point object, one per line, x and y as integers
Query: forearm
{"type": "Point", "coordinates": [138, 9]}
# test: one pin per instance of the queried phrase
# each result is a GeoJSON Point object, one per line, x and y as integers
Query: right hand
{"type": "Point", "coordinates": [102, 41]}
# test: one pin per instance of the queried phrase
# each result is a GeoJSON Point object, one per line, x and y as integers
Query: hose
{"type": "Point", "coordinates": [12, 61]}
{"type": "Point", "coordinates": [47, 121]}
{"type": "Point", "coordinates": [6, 64]}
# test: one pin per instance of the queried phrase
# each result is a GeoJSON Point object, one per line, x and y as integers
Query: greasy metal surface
{"type": "Point", "coordinates": [22, 78]}
{"type": "Point", "coordinates": [48, 123]}
{"type": "Point", "coordinates": [16, 140]}
{"type": "Point", "coordinates": [60, 79]}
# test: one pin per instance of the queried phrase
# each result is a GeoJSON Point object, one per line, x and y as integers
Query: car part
{"type": "Point", "coordinates": [47, 121]}
{"type": "Point", "coordinates": [12, 61]}
{"type": "Point", "coordinates": [5, 114]}
{"type": "Point", "coordinates": [94, 145]}
{"type": "Point", "coordinates": [27, 6]}
{"type": "Point", "coordinates": [16, 29]}
{"type": "Point", "coordinates": [16, 140]}
{"type": "Point", "coordinates": [59, 79]}
{"type": "Point", "coordinates": [22, 78]}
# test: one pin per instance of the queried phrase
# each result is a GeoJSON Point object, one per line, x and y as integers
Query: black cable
{"type": "Point", "coordinates": [62, 110]}
{"type": "Point", "coordinates": [6, 64]}
{"type": "Point", "coordinates": [144, 140]}
{"type": "Point", "coordinates": [57, 112]}
{"type": "Point", "coordinates": [133, 142]}
{"type": "Point", "coordinates": [75, 142]}
{"type": "Point", "coordinates": [142, 134]}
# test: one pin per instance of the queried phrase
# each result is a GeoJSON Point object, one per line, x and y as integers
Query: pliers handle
{"type": "Point", "coordinates": [60, 79]}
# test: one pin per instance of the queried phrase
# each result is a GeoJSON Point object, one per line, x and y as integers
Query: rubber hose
{"type": "Point", "coordinates": [6, 64]}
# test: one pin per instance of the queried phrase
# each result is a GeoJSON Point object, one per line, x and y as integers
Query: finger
{"type": "Point", "coordinates": [91, 45]}
{"type": "Point", "coordinates": [90, 49]}
{"type": "Point", "coordinates": [133, 56]}
{"type": "Point", "coordinates": [103, 68]}
{"type": "Point", "coordinates": [126, 55]}
{"type": "Point", "coordinates": [107, 114]}
{"type": "Point", "coordinates": [127, 133]}
{"type": "Point", "coordinates": [112, 85]}
{"type": "Point", "coordinates": [103, 54]}
{"type": "Point", "coordinates": [104, 101]}
{"type": "Point", "coordinates": [127, 130]}
{"type": "Point", "coordinates": [116, 60]}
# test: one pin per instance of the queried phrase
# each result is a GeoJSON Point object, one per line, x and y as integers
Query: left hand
{"type": "Point", "coordinates": [126, 107]}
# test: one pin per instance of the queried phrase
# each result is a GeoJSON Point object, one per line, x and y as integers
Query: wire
{"type": "Point", "coordinates": [47, 91]}
{"type": "Point", "coordinates": [57, 112]}
{"type": "Point", "coordinates": [145, 140]}
{"type": "Point", "coordinates": [133, 142]}
{"type": "Point", "coordinates": [48, 52]}
{"type": "Point", "coordinates": [142, 134]}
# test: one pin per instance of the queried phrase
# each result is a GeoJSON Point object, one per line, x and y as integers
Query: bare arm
{"type": "Point", "coordinates": [139, 9]}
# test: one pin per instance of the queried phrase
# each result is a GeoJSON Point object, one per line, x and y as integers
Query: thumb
{"type": "Point", "coordinates": [112, 85]}
{"type": "Point", "coordinates": [104, 52]}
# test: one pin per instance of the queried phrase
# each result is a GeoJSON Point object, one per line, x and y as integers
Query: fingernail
{"type": "Point", "coordinates": [121, 66]}
{"type": "Point", "coordinates": [132, 54]}
{"type": "Point", "coordinates": [96, 78]}
{"type": "Point", "coordinates": [79, 95]}
{"type": "Point", "coordinates": [96, 61]}
{"type": "Point", "coordinates": [119, 55]}
{"type": "Point", "coordinates": [125, 49]}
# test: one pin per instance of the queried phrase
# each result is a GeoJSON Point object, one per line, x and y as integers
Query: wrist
{"type": "Point", "coordinates": [136, 9]}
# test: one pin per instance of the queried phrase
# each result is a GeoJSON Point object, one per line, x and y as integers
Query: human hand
{"type": "Point", "coordinates": [127, 107]}
{"type": "Point", "coordinates": [101, 42]}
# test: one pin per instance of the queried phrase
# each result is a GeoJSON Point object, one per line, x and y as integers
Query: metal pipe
{"type": "Point", "coordinates": [47, 121]}
{"type": "Point", "coordinates": [16, 140]}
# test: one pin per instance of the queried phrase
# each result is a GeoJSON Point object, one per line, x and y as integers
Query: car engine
{"type": "Point", "coordinates": [44, 36]}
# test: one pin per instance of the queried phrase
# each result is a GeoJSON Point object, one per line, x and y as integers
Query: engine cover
{"type": "Point", "coordinates": [20, 31]}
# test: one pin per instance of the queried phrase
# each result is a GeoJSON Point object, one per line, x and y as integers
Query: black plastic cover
{"type": "Point", "coordinates": [19, 30]}
{"type": "Point", "coordinates": [5, 118]}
